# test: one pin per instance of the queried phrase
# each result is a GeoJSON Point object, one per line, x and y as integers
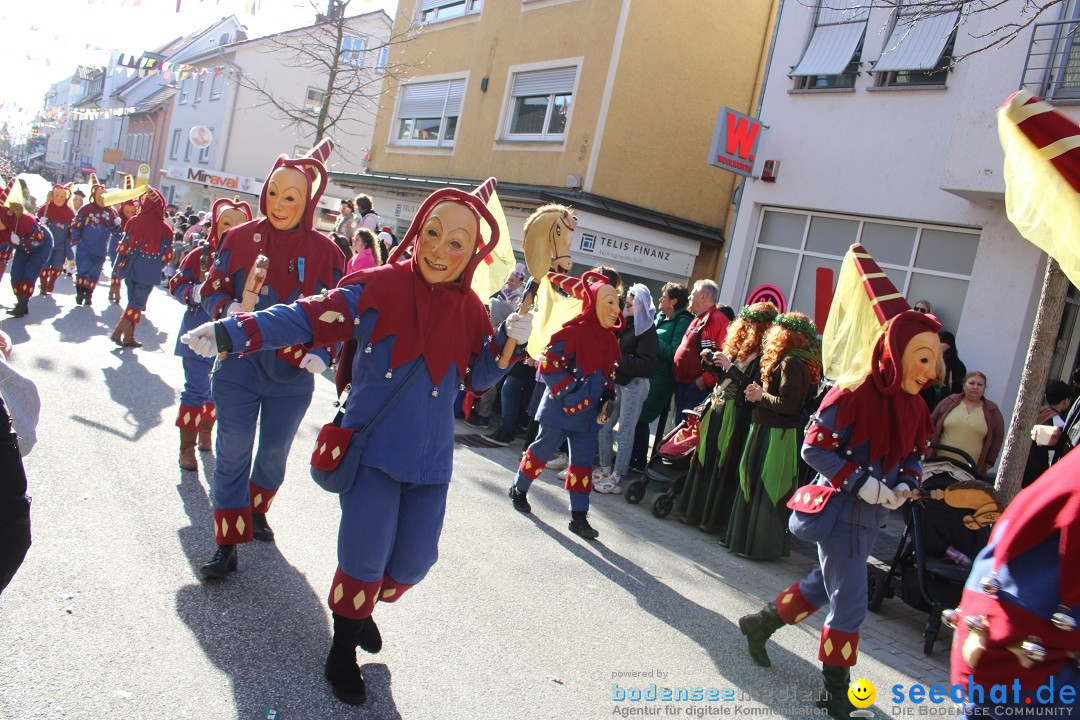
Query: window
{"type": "Point", "coordinates": [832, 56]}
{"type": "Point", "coordinates": [174, 146]}
{"type": "Point", "coordinates": [187, 148]}
{"type": "Point", "coordinates": [929, 261]}
{"type": "Point", "coordinates": [198, 89]}
{"type": "Point", "coordinates": [184, 86]}
{"type": "Point", "coordinates": [352, 50]}
{"type": "Point", "coordinates": [314, 101]}
{"type": "Point", "coordinates": [428, 113]}
{"type": "Point", "coordinates": [919, 49]}
{"type": "Point", "coordinates": [1052, 69]}
{"type": "Point", "coordinates": [216, 84]}
{"type": "Point", "coordinates": [384, 55]}
{"type": "Point", "coordinates": [204, 153]}
{"type": "Point", "coordinates": [540, 104]}
{"type": "Point", "coordinates": [436, 10]}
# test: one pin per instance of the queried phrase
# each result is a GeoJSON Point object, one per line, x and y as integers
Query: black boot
{"type": "Point", "coordinates": [758, 628]}
{"type": "Point", "coordinates": [78, 295]}
{"type": "Point", "coordinates": [221, 564]}
{"type": "Point", "coordinates": [837, 682]}
{"type": "Point", "coordinates": [342, 672]}
{"type": "Point", "coordinates": [260, 530]}
{"type": "Point", "coordinates": [20, 308]}
{"type": "Point", "coordinates": [521, 502]}
{"type": "Point", "coordinates": [580, 525]}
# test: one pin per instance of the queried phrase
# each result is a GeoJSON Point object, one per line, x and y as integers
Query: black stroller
{"type": "Point", "coordinates": [944, 530]}
{"type": "Point", "coordinates": [670, 465]}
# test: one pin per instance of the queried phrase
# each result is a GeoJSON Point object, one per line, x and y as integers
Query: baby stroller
{"type": "Point", "coordinates": [670, 465]}
{"type": "Point", "coordinates": [943, 531]}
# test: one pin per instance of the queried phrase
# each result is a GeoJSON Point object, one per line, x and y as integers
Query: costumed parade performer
{"type": "Point", "coordinates": [197, 413]}
{"type": "Point", "coordinates": [1016, 646]}
{"type": "Point", "coordinates": [769, 466]}
{"type": "Point", "coordinates": [866, 441]}
{"type": "Point", "coordinates": [278, 258]}
{"type": "Point", "coordinates": [58, 216]}
{"type": "Point", "coordinates": [145, 249]}
{"type": "Point", "coordinates": [578, 368]}
{"type": "Point", "coordinates": [32, 244]}
{"type": "Point", "coordinates": [94, 227]}
{"type": "Point", "coordinates": [415, 333]}
{"type": "Point", "coordinates": [126, 210]}
{"type": "Point", "coordinates": [714, 481]}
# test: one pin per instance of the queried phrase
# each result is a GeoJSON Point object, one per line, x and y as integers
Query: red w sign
{"type": "Point", "coordinates": [735, 141]}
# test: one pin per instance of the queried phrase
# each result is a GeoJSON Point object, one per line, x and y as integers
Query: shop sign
{"type": "Point", "coordinates": [735, 141]}
{"type": "Point", "coordinates": [214, 178]}
{"type": "Point", "coordinates": [632, 252]}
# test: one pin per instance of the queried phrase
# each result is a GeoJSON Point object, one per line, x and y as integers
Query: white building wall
{"type": "Point", "coordinates": [917, 155]}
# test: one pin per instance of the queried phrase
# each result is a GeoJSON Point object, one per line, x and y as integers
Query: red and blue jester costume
{"type": "Point", "coordinates": [32, 244]}
{"type": "Point", "coordinates": [58, 216]}
{"type": "Point", "coordinates": [145, 249]}
{"type": "Point", "coordinates": [416, 334]}
{"type": "Point", "coordinates": [268, 390]}
{"type": "Point", "coordinates": [197, 412]}
{"type": "Point", "coordinates": [578, 368]}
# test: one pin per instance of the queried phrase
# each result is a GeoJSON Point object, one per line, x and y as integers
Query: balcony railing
{"type": "Point", "coordinates": [1052, 69]}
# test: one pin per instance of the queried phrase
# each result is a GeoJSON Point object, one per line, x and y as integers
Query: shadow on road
{"type": "Point", "coordinates": [144, 394]}
{"type": "Point", "coordinates": [781, 687]}
{"type": "Point", "coordinates": [80, 323]}
{"type": "Point", "coordinates": [264, 626]}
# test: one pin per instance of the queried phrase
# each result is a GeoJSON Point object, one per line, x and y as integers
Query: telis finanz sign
{"type": "Point", "coordinates": [632, 252]}
{"type": "Point", "coordinates": [735, 142]}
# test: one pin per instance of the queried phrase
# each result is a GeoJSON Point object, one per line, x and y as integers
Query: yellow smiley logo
{"type": "Point", "coordinates": [862, 693]}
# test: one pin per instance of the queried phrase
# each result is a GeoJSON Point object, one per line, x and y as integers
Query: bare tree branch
{"type": "Point", "coordinates": [351, 83]}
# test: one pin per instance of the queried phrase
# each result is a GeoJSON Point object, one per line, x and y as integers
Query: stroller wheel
{"type": "Point", "coordinates": [662, 505]}
{"type": "Point", "coordinates": [876, 587]}
{"type": "Point", "coordinates": [635, 491]}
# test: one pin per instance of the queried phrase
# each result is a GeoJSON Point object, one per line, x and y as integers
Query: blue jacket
{"type": "Point", "coordinates": [571, 402]}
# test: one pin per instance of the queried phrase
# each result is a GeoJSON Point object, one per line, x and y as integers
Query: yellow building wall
{"type": "Point", "coordinates": [678, 62]}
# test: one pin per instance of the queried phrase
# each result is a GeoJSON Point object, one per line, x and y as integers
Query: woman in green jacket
{"type": "Point", "coordinates": [671, 324]}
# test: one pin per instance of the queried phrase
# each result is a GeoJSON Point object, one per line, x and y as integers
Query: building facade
{"type": "Point", "coordinates": [224, 135]}
{"type": "Point", "coordinates": [873, 137]}
{"type": "Point", "coordinates": [607, 106]}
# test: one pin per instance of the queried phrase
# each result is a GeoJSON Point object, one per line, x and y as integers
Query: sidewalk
{"type": "Point", "coordinates": [893, 634]}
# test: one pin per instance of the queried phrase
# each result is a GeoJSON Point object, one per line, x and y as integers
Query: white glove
{"type": "Point", "coordinates": [518, 327]}
{"type": "Point", "coordinates": [233, 309]}
{"type": "Point", "coordinates": [15, 240]}
{"type": "Point", "coordinates": [202, 340]}
{"type": "Point", "coordinates": [196, 296]}
{"type": "Point", "coordinates": [876, 492]}
{"type": "Point", "coordinates": [897, 501]}
{"type": "Point", "coordinates": [312, 363]}
{"type": "Point", "coordinates": [117, 222]}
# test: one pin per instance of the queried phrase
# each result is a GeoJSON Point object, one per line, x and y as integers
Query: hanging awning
{"type": "Point", "coordinates": [830, 49]}
{"type": "Point", "coordinates": [916, 43]}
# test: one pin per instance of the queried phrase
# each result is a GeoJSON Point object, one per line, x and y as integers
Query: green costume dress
{"type": "Point", "coordinates": [769, 468]}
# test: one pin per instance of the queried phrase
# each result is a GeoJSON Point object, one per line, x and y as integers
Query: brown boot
{"type": "Point", "coordinates": [120, 331]}
{"type": "Point", "coordinates": [187, 450]}
{"type": "Point", "coordinates": [129, 336]}
{"type": "Point", "coordinates": [206, 435]}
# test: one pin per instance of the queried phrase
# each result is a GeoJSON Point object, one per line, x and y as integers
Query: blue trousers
{"type": "Point", "coordinates": [839, 580]}
{"type": "Point", "coordinates": [687, 397]}
{"type": "Point", "coordinates": [26, 266]}
{"type": "Point", "coordinates": [389, 527]}
{"type": "Point", "coordinates": [196, 390]}
{"type": "Point", "coordinates": [137, 294]}
{"type": "Point", "coordinates": [247, 397]}
{"type": "Point", "coordinates": [582, 449]}
{"type": "Point", "coordinates": [625, 411]}
{"type": "Point", "coordinates": [88, 264]}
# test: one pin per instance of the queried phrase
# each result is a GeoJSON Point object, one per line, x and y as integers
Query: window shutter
{"type": "Point", "coordinates": [559, 81]}
{"type": "Point", "coordinates": [431, 99]}
{"type": "Point", "coordinates": [917, 43]}
{"type": "Point", "coordinates": [426, 5]}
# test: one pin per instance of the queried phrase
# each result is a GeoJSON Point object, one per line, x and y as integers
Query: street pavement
{"type": "Point", "coordinates": [520, 618]}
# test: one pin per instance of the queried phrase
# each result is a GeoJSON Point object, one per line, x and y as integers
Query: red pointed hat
{"type": "Point", "coordinates": [475, 201]}
{"type": "Point", "coordinates": [313, 167]}
{"type": "Point", "coordinates": [594, 346]}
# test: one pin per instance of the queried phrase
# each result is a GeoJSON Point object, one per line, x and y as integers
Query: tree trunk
{"type": "Point", "coordinates": [1032, 382]}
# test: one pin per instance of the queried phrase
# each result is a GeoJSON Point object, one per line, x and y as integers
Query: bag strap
{"type": "Point", "coordinates": [360, 438]}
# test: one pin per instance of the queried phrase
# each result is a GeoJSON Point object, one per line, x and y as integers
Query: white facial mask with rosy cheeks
{"type": "Point", "coordinates": [286, 198]}
{"type": "Point", "coordinates": [920, 361]}
{"type": "Point", "coordinates": [446, 242]}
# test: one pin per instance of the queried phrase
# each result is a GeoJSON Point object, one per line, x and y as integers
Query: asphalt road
{"type": "Point", "coordinates": [519, 619]}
